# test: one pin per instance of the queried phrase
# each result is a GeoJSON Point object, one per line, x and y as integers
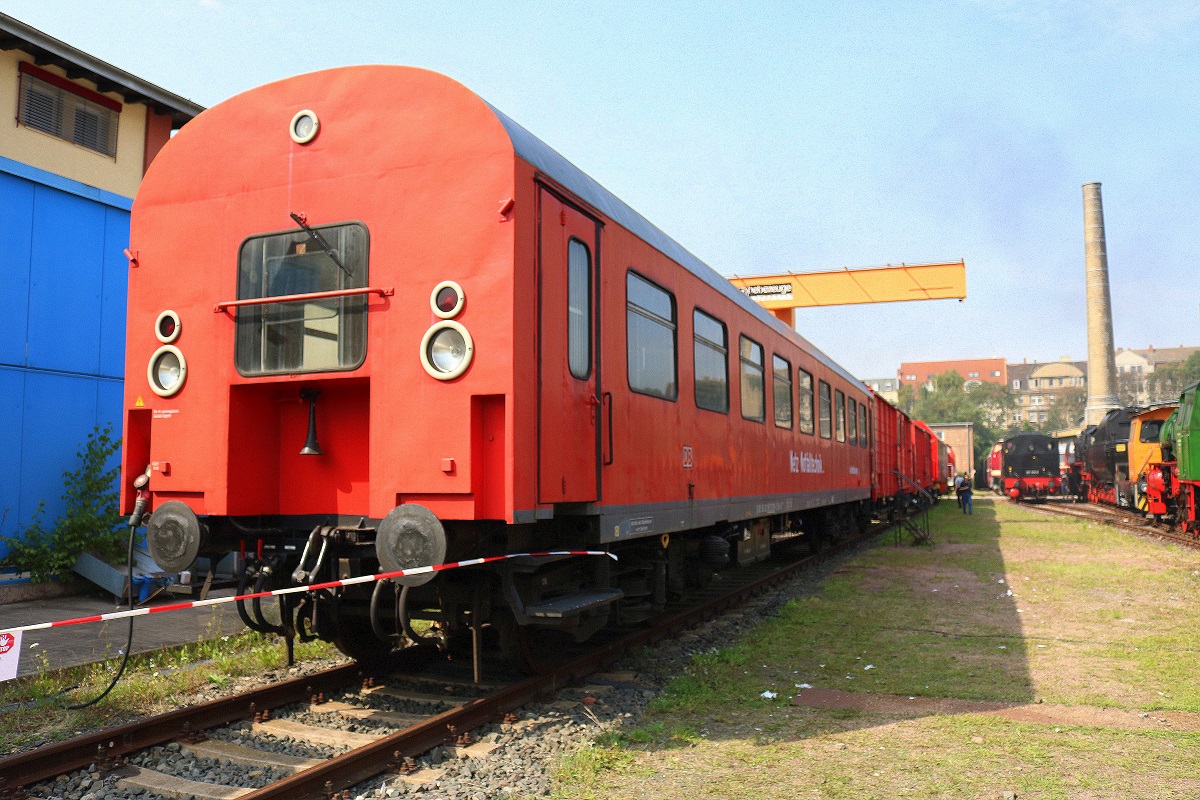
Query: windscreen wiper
{"type": "Point", "coordinates": [320, 240]}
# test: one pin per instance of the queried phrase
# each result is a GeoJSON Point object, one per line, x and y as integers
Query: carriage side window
{"type": "Point", "coordinates": [826, 409]}
{"type": "Point", "coordinates": [1150, 430]}
{"type": "Point", "coordinates": [852, 421]}
{"type": "Point", "coordinates": [864, 427]}
{"type": "Point", "coordinates": [711, 356]}
{"type": "Point", "coordinates": [650, 338]}
{"type": "Point", "coordinates": [805, 409]}
{"type": "Point", "coordinates": [783, 392]}
{"type": "Point", "coordinates": [579, 309]}
{"type": "Point", "coordinates": [326, 334]}
{"type": "Point", "coordinates": [754, 400]}
{"type": "Point", "coordinates": [839, 414]}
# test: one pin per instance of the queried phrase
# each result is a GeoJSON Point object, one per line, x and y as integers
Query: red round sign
{"type": "Point", "coordinates": [6, 642]}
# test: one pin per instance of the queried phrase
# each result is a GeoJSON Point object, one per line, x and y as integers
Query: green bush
{"type": "Point", "coordinates": [90, 522]}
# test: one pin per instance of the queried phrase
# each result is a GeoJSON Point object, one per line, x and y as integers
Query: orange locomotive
{"type": "Point", "coordinates": [374, 323]}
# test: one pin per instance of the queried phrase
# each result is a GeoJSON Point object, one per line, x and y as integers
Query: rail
{"type": "Point", "coordinates": [225, 305]}
{"type": "Point", "coordinates": [106, 748]}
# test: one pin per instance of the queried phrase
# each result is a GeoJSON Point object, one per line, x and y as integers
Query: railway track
{"type": "Point", "coordinates": [371, 724]}
{"type": "Point", "coordinates": [1114, 517]}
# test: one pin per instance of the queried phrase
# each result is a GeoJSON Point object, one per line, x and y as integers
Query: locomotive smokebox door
{"type": "Point", "coordinates": [174, 536]}
{"type": "Point", "coordinates": [410, 536]}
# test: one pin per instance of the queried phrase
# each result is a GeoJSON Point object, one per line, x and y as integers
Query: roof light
{"type": "Point", "coordinates": [304, 126]}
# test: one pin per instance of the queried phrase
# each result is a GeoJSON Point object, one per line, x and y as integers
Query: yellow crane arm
{"type": "Point", "coordinates": [780, 294]}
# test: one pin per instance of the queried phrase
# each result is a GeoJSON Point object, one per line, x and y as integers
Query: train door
{"type": "Point", "coordinates": [568, 379]}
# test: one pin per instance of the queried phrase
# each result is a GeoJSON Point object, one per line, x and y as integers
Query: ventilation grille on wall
{"type": "Point", "coordinates": [60, 113]}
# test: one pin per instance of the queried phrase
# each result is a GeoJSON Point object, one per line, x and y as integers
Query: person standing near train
{"type": "Point", "coordinates": [964, 499]}
{"type": "Point", "coordinates": [959, 480]}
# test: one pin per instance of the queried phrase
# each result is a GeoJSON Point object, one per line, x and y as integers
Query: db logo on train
{"type": "Point", "coordinates": [7, 640]}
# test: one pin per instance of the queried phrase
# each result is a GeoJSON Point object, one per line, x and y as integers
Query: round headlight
{"type": "Point", "coordinates": [447, 299]}
{"type": "Point", "coordinates": [304, 127]}
{"type": "Point", "coordinates": [167, 327]}
{"type": "Point", "coordinates": [167, 371]}
{"type": "Point", "coordinates": [446, 350]}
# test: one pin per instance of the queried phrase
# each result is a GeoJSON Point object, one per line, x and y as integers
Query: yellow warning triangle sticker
{"type": "Point", "coordinates": [139, 403]}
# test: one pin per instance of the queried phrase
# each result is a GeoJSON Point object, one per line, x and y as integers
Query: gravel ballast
{"type": "Point", "coordinates": [523, 755]}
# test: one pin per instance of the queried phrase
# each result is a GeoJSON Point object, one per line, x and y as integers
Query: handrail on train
{"type": "Point", "coordinates": [915, 485]}
{"type": "Point", "coordinates": [225, 305]}
{"type": "Point", "coordinates": [920, 531]}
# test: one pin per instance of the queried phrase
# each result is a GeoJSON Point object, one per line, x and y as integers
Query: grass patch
{"type": "Point", "coordinates": [1007, 605]}
{"type": "Point", "coordinates": [34, 706]}
{"type": "Point", "coordinates": [587, 770]}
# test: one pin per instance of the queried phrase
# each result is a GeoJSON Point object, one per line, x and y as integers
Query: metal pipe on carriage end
{"type": "Point", "coordinates": [1102, 360]}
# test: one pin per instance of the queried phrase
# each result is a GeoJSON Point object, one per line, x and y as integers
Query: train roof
{"type": "Point", "coordinates": [552, 163]}
{"type": "Point", "coordinates": [1026, 435]}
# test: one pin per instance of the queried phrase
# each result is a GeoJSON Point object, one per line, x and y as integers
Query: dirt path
{"type": "Point", "coordinates": [894, 705]}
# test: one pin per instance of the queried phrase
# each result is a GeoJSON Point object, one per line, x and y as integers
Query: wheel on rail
{"type": "Point", "coordinates": [346, 623]}
{"type": "Point", "coordinates": [533, 650]}
{"type": "Point", "coordinates": [356, 640]}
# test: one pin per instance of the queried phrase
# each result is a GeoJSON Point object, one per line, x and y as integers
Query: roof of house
{"type": "Point", "coordinates": [45, 49]}
{"type": "Point", "coordinates": [1023, 372]}
{"type": "Point", "coordinates": [1166, 355]}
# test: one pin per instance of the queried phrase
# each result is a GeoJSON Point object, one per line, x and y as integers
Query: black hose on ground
{"type": "Point", "coordinates": [129, 639]}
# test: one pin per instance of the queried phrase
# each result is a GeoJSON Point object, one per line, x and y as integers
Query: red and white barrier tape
{"type": "Point", "coordinates": [312, 587]}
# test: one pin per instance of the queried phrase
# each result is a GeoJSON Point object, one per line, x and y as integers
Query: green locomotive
{"type": "Point", "coordinates": [1172, 486]}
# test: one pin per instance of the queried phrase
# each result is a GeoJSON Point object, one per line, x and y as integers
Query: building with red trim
{"type": "Point", "coordinates": [981, 370]}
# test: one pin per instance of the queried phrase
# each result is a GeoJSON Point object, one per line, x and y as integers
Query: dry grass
{"type": "Point", "coordinates": [1096, 619]}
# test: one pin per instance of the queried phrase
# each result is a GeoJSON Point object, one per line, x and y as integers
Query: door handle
{"type": "Point", "coordinates": [606, 402]}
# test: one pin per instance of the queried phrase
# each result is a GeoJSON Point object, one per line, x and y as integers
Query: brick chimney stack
{"type": "Point", "coordinates": [1102, 362]}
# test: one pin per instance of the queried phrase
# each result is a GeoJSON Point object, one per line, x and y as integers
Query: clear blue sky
{"type": "Point", "coordinates": [775, 136]}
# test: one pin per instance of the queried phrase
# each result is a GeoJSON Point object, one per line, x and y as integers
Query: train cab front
{"type": "Point", "coordinates": [1037, 487]}
{"type": "Point", "coordinates": [333, 299]}
{"type": "Point", "coordinates": [254, 425]}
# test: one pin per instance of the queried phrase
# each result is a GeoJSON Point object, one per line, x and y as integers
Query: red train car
{"type": "Point", "coordinates": [923, 464]}
{"type": "Point", "coordinates": [902, 466]}
{"type": "Point", "coordinates": [932, 472]}
{"type": "Point", "coordinates": [885, 454]}
{"type": "Point", "coordinates": [995, 467]}
{"type": "Point", "coordinates": [940, 478]}
{"type": "Point", "coordinates": [909, 459]}
{"type": "Point", "coordinates": [374, 323]}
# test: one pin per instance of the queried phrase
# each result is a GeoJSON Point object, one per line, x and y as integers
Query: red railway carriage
{"type": "Point", "coordinates": [938, 460]}
{"type": "Point", "coordinates": [924, 445]}
{"type": "Point", "coordinates": [396, 332]}
{"type": "Point", "coordinates": [902, 458]}
{"type": "Point", "coordinates": [909, 458]}
{"type": "Point", "coordinates": [885, 456]}
{"type": "Point", "coordinates": [995, 464]}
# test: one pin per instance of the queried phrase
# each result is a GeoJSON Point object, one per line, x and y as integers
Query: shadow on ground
{"type": "Point", "coordinates": [932, 621]}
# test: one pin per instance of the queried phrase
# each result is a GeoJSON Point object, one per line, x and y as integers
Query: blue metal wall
{"type": "Point", "coordinates": [62, 331]}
